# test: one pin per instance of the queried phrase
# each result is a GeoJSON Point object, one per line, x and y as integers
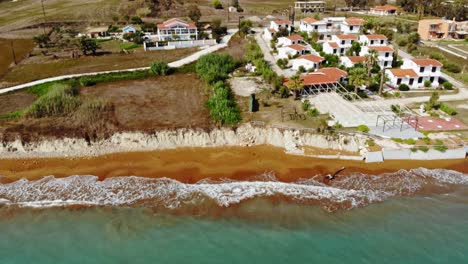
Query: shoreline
{"type": "Point", "coordinates": [190, 165]}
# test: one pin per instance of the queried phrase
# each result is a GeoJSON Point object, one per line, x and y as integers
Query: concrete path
{"type": "Point", "coordinates": [174, 64]}
{"type": "Point", "coordinates": [264, 46]}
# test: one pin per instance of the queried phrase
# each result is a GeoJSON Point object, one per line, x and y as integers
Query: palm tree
{"type": "Point", "coordinates": [357, 77]}
{"type": "Point", "coordinates": [370, 61]}
{"type": "Point", "coordinates": [295, 84]}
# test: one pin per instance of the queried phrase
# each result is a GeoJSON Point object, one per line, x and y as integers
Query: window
{"type": "Point", "coordinates": [382, 41]}
{"type": "Point", "coordinates": [420, 79]}
{"type": "Point", "coordinates": [372, 42]}
{"type": "Point", "coordinates": [411, 81]}
{"type": "Point", "coordinates": [342, 51]}
{"type": "Point", "coordinates": [342, 42]}
{"type": "Point", "coordinates": [385, 64]}
{"type": "Point", "coordinates": [432, 79]}
{"type": "Point", "coordinates": [421, 69]}
{"type": "Point", "coordinates": [334, 51]}
{"type": "Point", "coordinates": [316, 27]}
{"type": "Point", "coordinates": [398, 82]}
{"type": "Point", "coordinates": [387, 54]}
{"type": "Point", "coordinates": [434, 69]}
{"type": "Point", "coordinates": [351, 28]}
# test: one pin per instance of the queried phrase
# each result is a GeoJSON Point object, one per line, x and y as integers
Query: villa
{"type": "Point", "coordinates": [352, 26]}
{"type": "Point", "coordinates": [176, 29]}
{"type": "Point", "coordinates": [385, 54]}
{"type": "Point", "coordinates": [339, 44]}
{"type": "Point", "coordinates": [433, 29]}
{"type": "Point", "coordinates": [276, 26]}
{"type": "Point", "coordinates": [290, 40]}
{"type": "Point", "coordinates": [129, 29]}
{"type": "Point", "coordinates": [373, 40]}
{"type": "Point", "coordinates": [291, 51]}
{"type": "Point", "coordinates": [309, 62]}
{"type": "Point", "coordinates": [385, 10]}
{"type": "Point", "coordinates": [331, 26]}
{"type": "Point", "coordinates": [415, 72]}
{"type": "Point", "coordinates": [310, 25]}
{"type": "Point", "coordinates": [351, 61]}
{"type": "Point", "coordinates": [305, 6]}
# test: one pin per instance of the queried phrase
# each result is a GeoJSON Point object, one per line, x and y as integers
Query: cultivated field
{"type": "Point", "coordinates": [21, 48]}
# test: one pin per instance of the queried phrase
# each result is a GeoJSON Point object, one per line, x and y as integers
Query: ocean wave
{"type": "Point", "coordinates": [355, 190]}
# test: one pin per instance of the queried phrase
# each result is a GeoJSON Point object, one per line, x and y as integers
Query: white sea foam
{"type": "Point", "coordinates": [354, 191]}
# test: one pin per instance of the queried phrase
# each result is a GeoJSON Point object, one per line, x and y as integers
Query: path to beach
{"type": "Point", "coordinates": [175, 64]}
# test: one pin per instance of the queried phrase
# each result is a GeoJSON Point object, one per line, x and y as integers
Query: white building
{"type": "Point", "coordinates": [279, 25]}
{"type": "Point", "coordinates": [373, 40]}
{"type": "Point", "coordinates": [331, 47]}
{"type": "Point", "coordinates": [310, 25]}
{"type": "Point", "coordinates": [305, 6]}
{"type": "Point", "coordinates": [176, 29]}
{"type": "Point", "coordinates": [385, 54]}
{"type": "Point", "coordinates": [385, 10]}
{"type": "Point", "coordinates": [289, 40]}
{"type": "Point", "coordinates": [351, 61]}
{"type": "Point", "coordinates": [414, 72]}
{"type": "Point", "coordinates": [309, 62]}
{"type": "Point", "coordinates": [339, 44]}
{"type": "Point", "coordinates": [269, 33]}
{"type": "Point", "coordinates": [352, 26]}
{"type": "Point", "coordinates": [291, 51]}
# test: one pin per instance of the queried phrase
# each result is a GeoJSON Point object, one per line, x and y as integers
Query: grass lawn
{"type": "Point", "coordinates": [35, 71]}
{"type": "Point", "coordinates": [21, 47]}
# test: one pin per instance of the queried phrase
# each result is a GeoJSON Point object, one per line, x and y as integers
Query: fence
{"type": "Point", "coordinates": [180, 44]}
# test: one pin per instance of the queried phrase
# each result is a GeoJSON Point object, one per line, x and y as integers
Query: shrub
{"type": "Point", "coordinates": [59, 101]}
{"type": "Point", "coordinates": [282, 63]}
{"type": "Point", "coordinates": [305, 105]}
{"type": "Point", "coordinates": [427, 83]}
{"type": "Point", "coordinates": [363, 128]}
{"type": "Point", "coordinates": [441, 147]}
{"type": "Point", "coordinates": [452, 67]}
{"type": "Point", "coordinates": [313, 112]}
{"type": "Point", "coordinates": [402, 42]}
{"type": "Point", "coordinates": [447, 85]}
{"type": "Point", "coordinates": [159, 68]}
{"type": "Point", "coordinates": [447, 109]}
{"type": "Point", "coordinates": [423, 148]}
{"type": "Point", "coordinates": [403, 87]}
{"type": "Point", "coordinates": [222, 106]}
{"type": "Point", "coordinates": [370, 143]}
{"type": "Point", "coordinates": [395, 109]}
{"type": "Point", "coordinates": [215, 67]}
{"type": "Point", "coordinates": [436, 56]}
{"type": "Point", "coordinates": [86, 81]}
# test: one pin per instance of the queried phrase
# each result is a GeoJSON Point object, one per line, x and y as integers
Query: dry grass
{"type": "Point", "coordinates": [34, 71]}
{"type": "Point", "coordinates": [21, 47]}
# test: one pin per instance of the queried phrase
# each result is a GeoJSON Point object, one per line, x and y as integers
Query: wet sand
{"type": "Point", "coordinates": [189, 165]}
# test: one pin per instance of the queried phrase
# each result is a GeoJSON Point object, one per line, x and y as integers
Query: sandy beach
{"type": "Point", "coordinates": [189, 165]}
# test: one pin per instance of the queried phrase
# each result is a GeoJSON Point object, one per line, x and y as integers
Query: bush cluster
{"type": "Point", "coordinates": [60, 100]}
{"type": "Point", "coordinates": [447, 109]}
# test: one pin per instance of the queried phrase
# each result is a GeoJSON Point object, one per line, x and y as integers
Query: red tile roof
{"type": "Point", "coordinates": [385, 8]}
{"type": "Point", "coordinates": [317, 78]}
{"type": "Point", "coordinates": [404, 73]}
{"type": "Point", "coordinates": [353, 21]}
{"type": "Point", "coordinates": [166, 24]}
{"type": "Point", "coordinates": [312, 58]}
{"type": "Point", "coordinates": [333, 45]}
{"type": "Point", "coordinates": [381, 48]}
{"type": "Point", "coordinates": [309, 20]}
{"type": "Point", "coordinates": [297, 47]}
{"type": "Point", "coordinates": [356, 59]}
{"type": "Point", "coordinates": [272, 30]}
{"type": "Point", "coordinates": [348, 37]}
{"type": "Point", "coordinates": [295, 37]}
{"type": "Point", "coordinates": [282, 22]}
{"type": "Point", "coordinates": [427, 62]}
{"type": "Point", "coordinates": [376, 36]}
{"type": "Point", "coordinates": [334, 73]}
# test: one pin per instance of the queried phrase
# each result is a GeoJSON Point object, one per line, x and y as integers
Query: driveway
{"type": "Point", "coordinates": [174, 64]}
{"type": "Point", "coordinates": [264, 46]}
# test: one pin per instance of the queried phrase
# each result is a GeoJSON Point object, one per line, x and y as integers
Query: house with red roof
{"type": "Point", "coordinates": [385, 10]}
{"type": "Point", "coordinates": [384, 54]}
{"type": "Point", "coordinates": [373, 40]}
{"type": "Point", "coordinates": [291, 51]}
{"type": "Point", "coordinates": [290, 40]}
{"type": "Point", "coordinates": [177, 29]}
{"type": "Point", "coordinates": [309, 62]}
{"type": "Point", "coordinates": [276, 26]}
{"type": "Point", "coordinates": [415, 72]}
{"type": "Point", "coordinates": [351, 61]}
{"type": "Point", "coordinates": [310, 25]}
{"type": "Point", "coordinates": [324, 76]}
{"type": "Point", "coordinates": [352, 25]}
{"type": "Point", "coordinates": [331, 47]}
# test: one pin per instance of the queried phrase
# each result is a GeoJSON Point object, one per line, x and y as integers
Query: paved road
{"type": "Point", "coordinates": [174, 64]}
{"type": "Point", "coordinates": [266, 52]}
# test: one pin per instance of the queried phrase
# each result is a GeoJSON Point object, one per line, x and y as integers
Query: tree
{"type": "Point", "coordinates": [433, 102]}
{"type": "Point", "coordinates": [371, 60]}
{"type": "Point", "coordinates": [88, 44]}
{"type": "Point", "coordinates": [215, 67]}
{"type": "Point", "coordinates": [355, 49]}
{"type": "Point", "coordinates": [217, 4]}
{"type": "Point", "coordinates": [137, 20]}
{"type": "Point", "coordinates": [295, 84]}
{"type": "Point", "coordinates": [194, 13]}
{"type": "Point", "coordinates": [357, 78]}
{"type": "Point", "coordinates": [41, 40]}
{"type": "Point", "coordinates": [245, 26]}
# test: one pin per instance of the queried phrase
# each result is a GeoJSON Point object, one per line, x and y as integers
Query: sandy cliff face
{"type": "Point", "coordinates": [291, 140]}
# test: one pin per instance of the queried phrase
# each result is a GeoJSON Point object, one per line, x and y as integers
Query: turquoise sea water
{"type": "Point", "coordinates": [417, 216]}
{"type": "Point", "coordinates": [417, 229]}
